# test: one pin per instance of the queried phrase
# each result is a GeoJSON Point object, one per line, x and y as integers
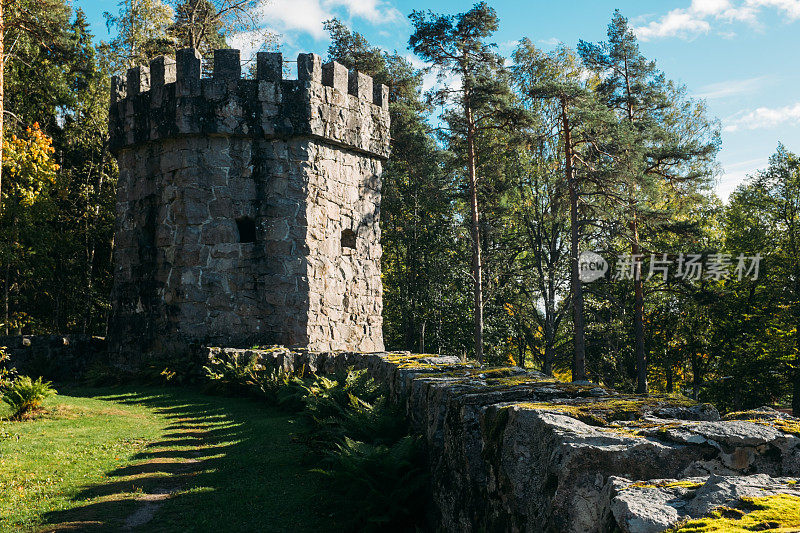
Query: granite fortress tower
{"type": "Point", "coordinates": [247, 209]}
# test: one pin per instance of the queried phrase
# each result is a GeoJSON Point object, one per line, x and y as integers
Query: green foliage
{"type": "Point", "coordinates": [56, 227]}
{"type": "Point", "coordinates": [7, 375]}
{"type": "Point", "coordinates": [244, 375]}
{"type": "Point", "coordinates": [25, 396]}
{"type": "Point", "coordinates": [143, 31]}
{"type": "Point", "coordinates": [197, 25]}
{"type": "Point", "coordinates": [351, 405]}
{"type": "Point", "coordinates": [376, 471]}
{"type": "Point", "coordinates": [389, 482]}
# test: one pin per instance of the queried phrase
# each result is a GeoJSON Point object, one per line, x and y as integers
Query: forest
{"type": "Point", "coordinates": [502, 176]}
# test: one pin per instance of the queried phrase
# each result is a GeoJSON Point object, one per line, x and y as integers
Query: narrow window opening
{"type": "Point", "coordinates": [348, 240]}
{"type": "Point", "coordinates": [247, 229]}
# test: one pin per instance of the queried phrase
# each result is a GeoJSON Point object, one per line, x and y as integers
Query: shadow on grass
{"type": "Point", "coordinates": [221, 465]}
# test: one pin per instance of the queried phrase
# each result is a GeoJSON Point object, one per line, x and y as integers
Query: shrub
{"type": "Point", "coordinates": [325, 423]}
{"type": "Point", "coordinates": [389, 484]}
{"type": "Point", "coordinates": [7, 374]}
{"type": "Point", "coordinates": [182, 368]}
{"type": "Point", "coordinates": [378, 473]}
{"type": "Point", "coordinates": [324, 397]}
{"type": "Point", "coordinates": [240, 375]}
{"type": "Point", "coordinates": [25, 396]}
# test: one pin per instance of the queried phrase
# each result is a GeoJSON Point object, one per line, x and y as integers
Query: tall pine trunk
{"type": "Point", "coordinates": [579, 356]}
{"type": "Point", "coordinates": [796, 388]}
{"type": "Point", "coordinates": [475, 230]}
{"type": "Point", "coordinates": [2, 95]}
{"type": "Point", "coordinates": [6, 294]}
{"type": "Point", "coordinates": [549, 327]}
{"type": "Point", "coordinates": [696, 377]}
{"type": "Point", "coordinates": [638, 288]}
{"type": "Point", "coordinates": [638, 314]}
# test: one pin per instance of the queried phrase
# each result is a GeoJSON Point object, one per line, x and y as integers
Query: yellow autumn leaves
{"type": "Point", "coordinates": [28, 165]}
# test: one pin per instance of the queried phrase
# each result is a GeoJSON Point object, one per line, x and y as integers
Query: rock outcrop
{"type": "Point", "coordinates": [657, 505]}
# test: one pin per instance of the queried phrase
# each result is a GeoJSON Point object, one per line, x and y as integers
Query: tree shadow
{"type": "Point", "coordinates": [221, 464]}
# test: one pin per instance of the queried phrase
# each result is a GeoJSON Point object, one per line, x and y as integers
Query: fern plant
{"type": "Point", "coordinates": [390, 484]}
{"type": "Point", "coordinates": [25, 396]}
{"type": "Point", "coordinates": [350, 405]}
{"type": "Point", "coordinates": [239, 375]}
{"type": "Point", "coordinates": [323, 429]}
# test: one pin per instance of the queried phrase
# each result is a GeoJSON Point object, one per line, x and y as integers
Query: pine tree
{"type": "Point", "coordinates": [457, 46]}
{"type": "Point", "coordinates": [557, 80]}
{"type": "Point", "coordinates": [142, 32]}
{"type": "Point", "coordinates": [664, 146]}
{"type": "Point", "coordinates": [417, 208]}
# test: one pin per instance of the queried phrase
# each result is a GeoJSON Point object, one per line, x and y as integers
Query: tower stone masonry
{"type": "Point", "coordinates": [247, 209]}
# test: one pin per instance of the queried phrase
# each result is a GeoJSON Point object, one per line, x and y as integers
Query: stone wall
{"type": "Point", "coordinates": [512, 450]}
{"type": "Point", "coordinates": [54, 357]}
{"type": "Point", "coordinates": [248, 209]}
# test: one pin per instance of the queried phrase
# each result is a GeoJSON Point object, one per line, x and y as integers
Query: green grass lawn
{"type": "Point", "coordinates": [155, 460]}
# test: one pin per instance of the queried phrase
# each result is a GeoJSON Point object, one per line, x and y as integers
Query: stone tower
{"type": "Point", "coordinates": [247, 209]}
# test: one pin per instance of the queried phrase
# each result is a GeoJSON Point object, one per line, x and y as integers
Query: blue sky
{"type": "Point", "coordinates": [741, 56]}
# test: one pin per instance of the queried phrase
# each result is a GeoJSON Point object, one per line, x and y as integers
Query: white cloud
{"type": "Point", "coordinates": [507, 47]}
{"type": "Point", "coordinates": [789, 7]}
{"type": "Point", "coordinates": [763, 117]}
{"type": "Point", "coordinates": [552, 41]}
{"type": "Point", "coordinates": [687, 23]}
{"type": "Point", "coordinates": [743, 13]}
{"type": "Point", "coordinates": [736, 174]}
{"type": "Point", "coordinates": [304, 16]}
{"type": "Point", "coordinates": [676, 23]}
{"type": "Point", "coordinates": [307, 16]}
{"type": "Point", "coordinates": [704, 8]}
{"type": "Point", "coordinates": [375, 11]}
{"type": "Point", "coordinates": [729, 88]}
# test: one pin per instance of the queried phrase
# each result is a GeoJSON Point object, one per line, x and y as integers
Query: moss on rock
{"type": "Point", "coordinates": [603, 412]}
{"type": "Point", "coordinates": [778, 513]}
{"type": "Point", "coordinates": [687, 484]}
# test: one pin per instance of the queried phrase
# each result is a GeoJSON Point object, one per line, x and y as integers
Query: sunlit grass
{"type": "Point", "coordinates": [93, 458]}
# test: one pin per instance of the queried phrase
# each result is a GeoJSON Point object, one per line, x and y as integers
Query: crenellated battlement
{"type": "Point", "coordinates": [171, 98]}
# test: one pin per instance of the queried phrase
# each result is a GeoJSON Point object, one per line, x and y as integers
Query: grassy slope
{"type": "Point", "coordinates": [168, 460]}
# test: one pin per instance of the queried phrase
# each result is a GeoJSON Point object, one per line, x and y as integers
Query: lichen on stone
{"type": "Point", "coordinates": [767, 416]}
{"type": "Point", "coordinates": [778, 513]}
{"type": "Point", "coordinates": [783, 424]}
{"type": "Point", "coordinates": [687, 484]}
{"type": "Point", "coordinates": [603, 411]}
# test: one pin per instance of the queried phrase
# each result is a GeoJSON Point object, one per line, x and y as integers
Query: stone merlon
{"type": "Point", "coordinates": [171, 98]}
